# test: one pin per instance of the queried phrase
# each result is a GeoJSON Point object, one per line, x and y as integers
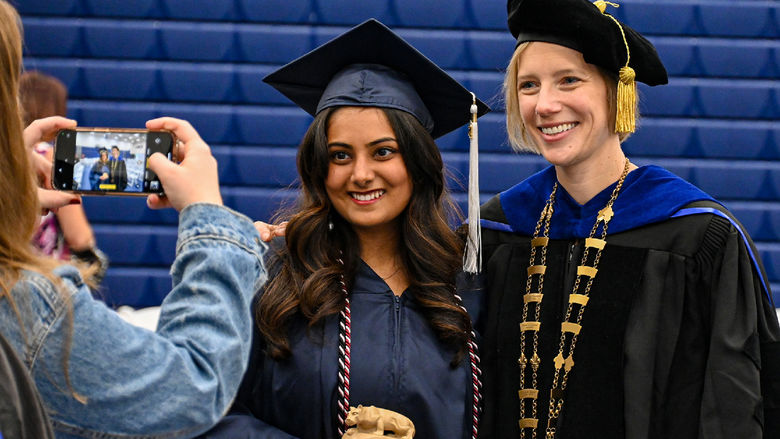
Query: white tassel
{"type": "Point", "coordinates": [472, 257]}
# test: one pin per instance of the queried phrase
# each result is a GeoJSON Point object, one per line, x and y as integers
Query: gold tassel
{"type": "Point", "coordinates": [625, 121]}
{"type": "Point", "coordinates": [602, 5]}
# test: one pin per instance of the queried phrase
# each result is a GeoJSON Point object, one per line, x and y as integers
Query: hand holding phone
{"type": "Point", "coordinates": [195, 179]}
{"type": "Point", "coordinates": [100, 161]}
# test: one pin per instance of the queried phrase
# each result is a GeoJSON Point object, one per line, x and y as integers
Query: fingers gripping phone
{"type": "Point", "coordinates": [109, 161]}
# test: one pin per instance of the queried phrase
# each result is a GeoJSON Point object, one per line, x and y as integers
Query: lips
{"type": "Point", "coordinates": [367, 197]}
{"type": "Point", "coordinates": [557, 129]}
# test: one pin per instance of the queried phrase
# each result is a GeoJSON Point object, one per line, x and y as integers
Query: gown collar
{"type": "Point", "coordinates": [650, 194]}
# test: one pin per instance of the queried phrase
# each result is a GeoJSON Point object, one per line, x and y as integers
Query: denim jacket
{"type": "Point", "coordinates": [175, 382]}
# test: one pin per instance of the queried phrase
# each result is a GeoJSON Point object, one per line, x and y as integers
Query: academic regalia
{"type": "Point", "coordinates": [398, 363]}
{"type": "Point", "coordinates": [679, 338]}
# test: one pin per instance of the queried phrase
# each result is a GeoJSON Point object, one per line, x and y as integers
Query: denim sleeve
{"type": "Point", "coordinates": [180, 380]}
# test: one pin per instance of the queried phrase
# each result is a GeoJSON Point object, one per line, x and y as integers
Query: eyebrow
{"type": "Point", "coordinates": [375, 142]}
{"type": "Point", "coordinates": [562, 72]}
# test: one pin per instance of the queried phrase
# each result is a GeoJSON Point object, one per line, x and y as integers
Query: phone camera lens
{"type": "Point", "coordinates": [67, 135]}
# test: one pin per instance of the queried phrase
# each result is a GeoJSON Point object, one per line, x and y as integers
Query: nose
{"type": "Point", "coordinates": [547, 102]}
{"type": "Point", "coordinates": [363, 171]}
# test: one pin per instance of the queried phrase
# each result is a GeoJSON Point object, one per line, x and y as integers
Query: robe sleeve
{"type": "Point", "coordinates": [741, 319]}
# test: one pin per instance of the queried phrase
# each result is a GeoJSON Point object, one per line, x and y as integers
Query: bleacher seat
{"type": "Point", "coordinates": [198, 82]}
{"type": "Point", "coordinates": [252, 90]}
{"type": "Point", "coordinates": [349, 12]}
{"type": "Point", "coordinates": [120, 80]}
{"type": "Point", "coordinates": [139, 245]}
{"type": "Point", "coordinates": [698, 138]}
{"type": "Point", "coordinates": [489, 15]}
{"type": "Point", "coordinates": [492, 136]}
{"type": "Point", "coordinates": [199, 41]}
{"type": "Point", "coordinates": [740, 19]}
{"type": "Point", "coordinates": [276, 11]}
{"type": "Point", "coordinates": [259, 204]}
{"type": "Point", "coordinates": [121, 39]}
{"type": "Point", "coordinates": [432, 13]}
{"type": "Point", "coordinates": [497, 172]}
{"type": "Point", "coordinates": [272, 126]}
{"type": "Point", "coordinates": [737, 181]}
{"type": "Point", "coordinates": [257, 166]}
{"type": "Point", "coordinates": [126, 8]}
{"type": "Point", "coordinates": [760, 219]}
{"type": "Point", "coordinates": [273, 43]}
{"type": "Point", "coordinates": [660, 18]}
{"type": "Point", "coordinates": [197, 10]}
{"type": "Point", "coordinates": [136, 287]}
{"type": "Point", "coordinates": [47, 7]}
{"type": "Point", "coordinates": [445, 48]}
{"type": "Point", "coordinates": [770, 256]}
{"type": "Point", "coordinates": [126, 210]}
{"type": "Point", "coordinates": [489, 50]}
{"type": "Point", "coordinates": [711, 98]}
{"type": "Point", "coordinates": [47, 37]}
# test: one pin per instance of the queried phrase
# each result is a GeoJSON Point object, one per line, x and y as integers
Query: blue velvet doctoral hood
{"type": "Point", "coordinates": [650, 194]}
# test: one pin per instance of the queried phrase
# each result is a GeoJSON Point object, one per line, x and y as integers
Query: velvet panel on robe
{"type": "Point", "coordinates": [679, 338]}
{"type": "Point", "coordinates": [397, 364]}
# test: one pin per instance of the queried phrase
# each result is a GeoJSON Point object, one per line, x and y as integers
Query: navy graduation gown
{"type": "Point", "coordinates": [397, 364]}
{"type": "Point", "coordinates": [679, 339]}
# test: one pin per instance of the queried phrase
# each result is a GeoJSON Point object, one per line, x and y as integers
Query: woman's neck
{"type": "Point", "coordinates": [381, 251]}
{"type": "Point", "coordinates": [585, 181]}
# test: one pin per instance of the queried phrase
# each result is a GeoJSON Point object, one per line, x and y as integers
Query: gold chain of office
{"type": "Point", "coordinates": [564, 361]}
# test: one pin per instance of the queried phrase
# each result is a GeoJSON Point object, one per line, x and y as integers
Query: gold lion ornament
{"type": "Point", "coordinates": [373, 422]}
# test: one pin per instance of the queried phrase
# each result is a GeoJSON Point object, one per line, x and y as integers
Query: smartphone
{"type": "Point", "coordinates": [108, 161]}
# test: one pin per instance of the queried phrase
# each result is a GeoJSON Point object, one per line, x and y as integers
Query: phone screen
{"type": "Point", "coordinates": [102, 161]}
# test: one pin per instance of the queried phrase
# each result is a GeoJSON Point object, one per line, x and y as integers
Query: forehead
{"type": "Point", "coordinates": [364, 121]}
{"type": "Point", "coordinates": [539, 57]}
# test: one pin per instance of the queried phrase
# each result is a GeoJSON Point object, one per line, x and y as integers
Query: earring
{"type": "Point", "coordinates": [330, 225]}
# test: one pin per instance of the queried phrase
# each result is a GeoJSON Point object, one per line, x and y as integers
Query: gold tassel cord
{"type": "Point", "coordinates": [625, 121]}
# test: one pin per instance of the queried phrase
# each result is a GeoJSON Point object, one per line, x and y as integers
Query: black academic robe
{"type": "Point", "coordinates": [118, 174]}
{"type": "Point", "coordinates": [679, 338]}
{"type": "Point", "coordinates": [22, 415]}
{"type": "Point", "coordinates": [398, 363]}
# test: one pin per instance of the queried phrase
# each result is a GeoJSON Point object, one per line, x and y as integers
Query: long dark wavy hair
{"type": "Point", "coordinates": [307, 272]}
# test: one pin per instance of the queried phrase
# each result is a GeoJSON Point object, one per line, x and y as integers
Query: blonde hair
{"type": "Point", "coordinates": [17, 178]}
{"type": "Point", "coordinates": [515, 127]}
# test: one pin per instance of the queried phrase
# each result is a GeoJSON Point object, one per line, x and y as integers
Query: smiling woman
{"type": "Point", "coordinates": [643, 309]}
{"type": "Point", "coordinates": [368, 268]}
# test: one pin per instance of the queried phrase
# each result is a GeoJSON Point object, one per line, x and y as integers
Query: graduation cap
{"type": "Point", "coordinates": [371, 66]}
{"type": "Point", "coordinates": [603, 41]}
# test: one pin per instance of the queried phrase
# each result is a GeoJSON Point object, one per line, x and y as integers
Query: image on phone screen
{"type": "Point", "coordinates": [108, 161]}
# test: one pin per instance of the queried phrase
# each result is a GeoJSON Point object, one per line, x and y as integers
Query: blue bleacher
{"type": "Point", "coordinates": [698, 138]}
{"type": "Point", "coordinates": [139, 245]}
{"type": "Point", "coordinates": [273, 43]}
{"type": "Point", "coordinates": [276, 11]}
{"type": "Point", "coordinates": [139, 287]}
{"type": "Point", "coordinates": [126, 210]}
{"type": "Point", "coordinates": [124, 39]}
{"type": "Point", "coordinates": [257, 166]}
{"type": "Point", "coordinates": [432, 13]}
{"type": "Point", "coordinates": [132, 8]}
{"type": "Point", "coordinates": [350, 12]}
{"type": "Point", "coordinates": [716, 124]}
